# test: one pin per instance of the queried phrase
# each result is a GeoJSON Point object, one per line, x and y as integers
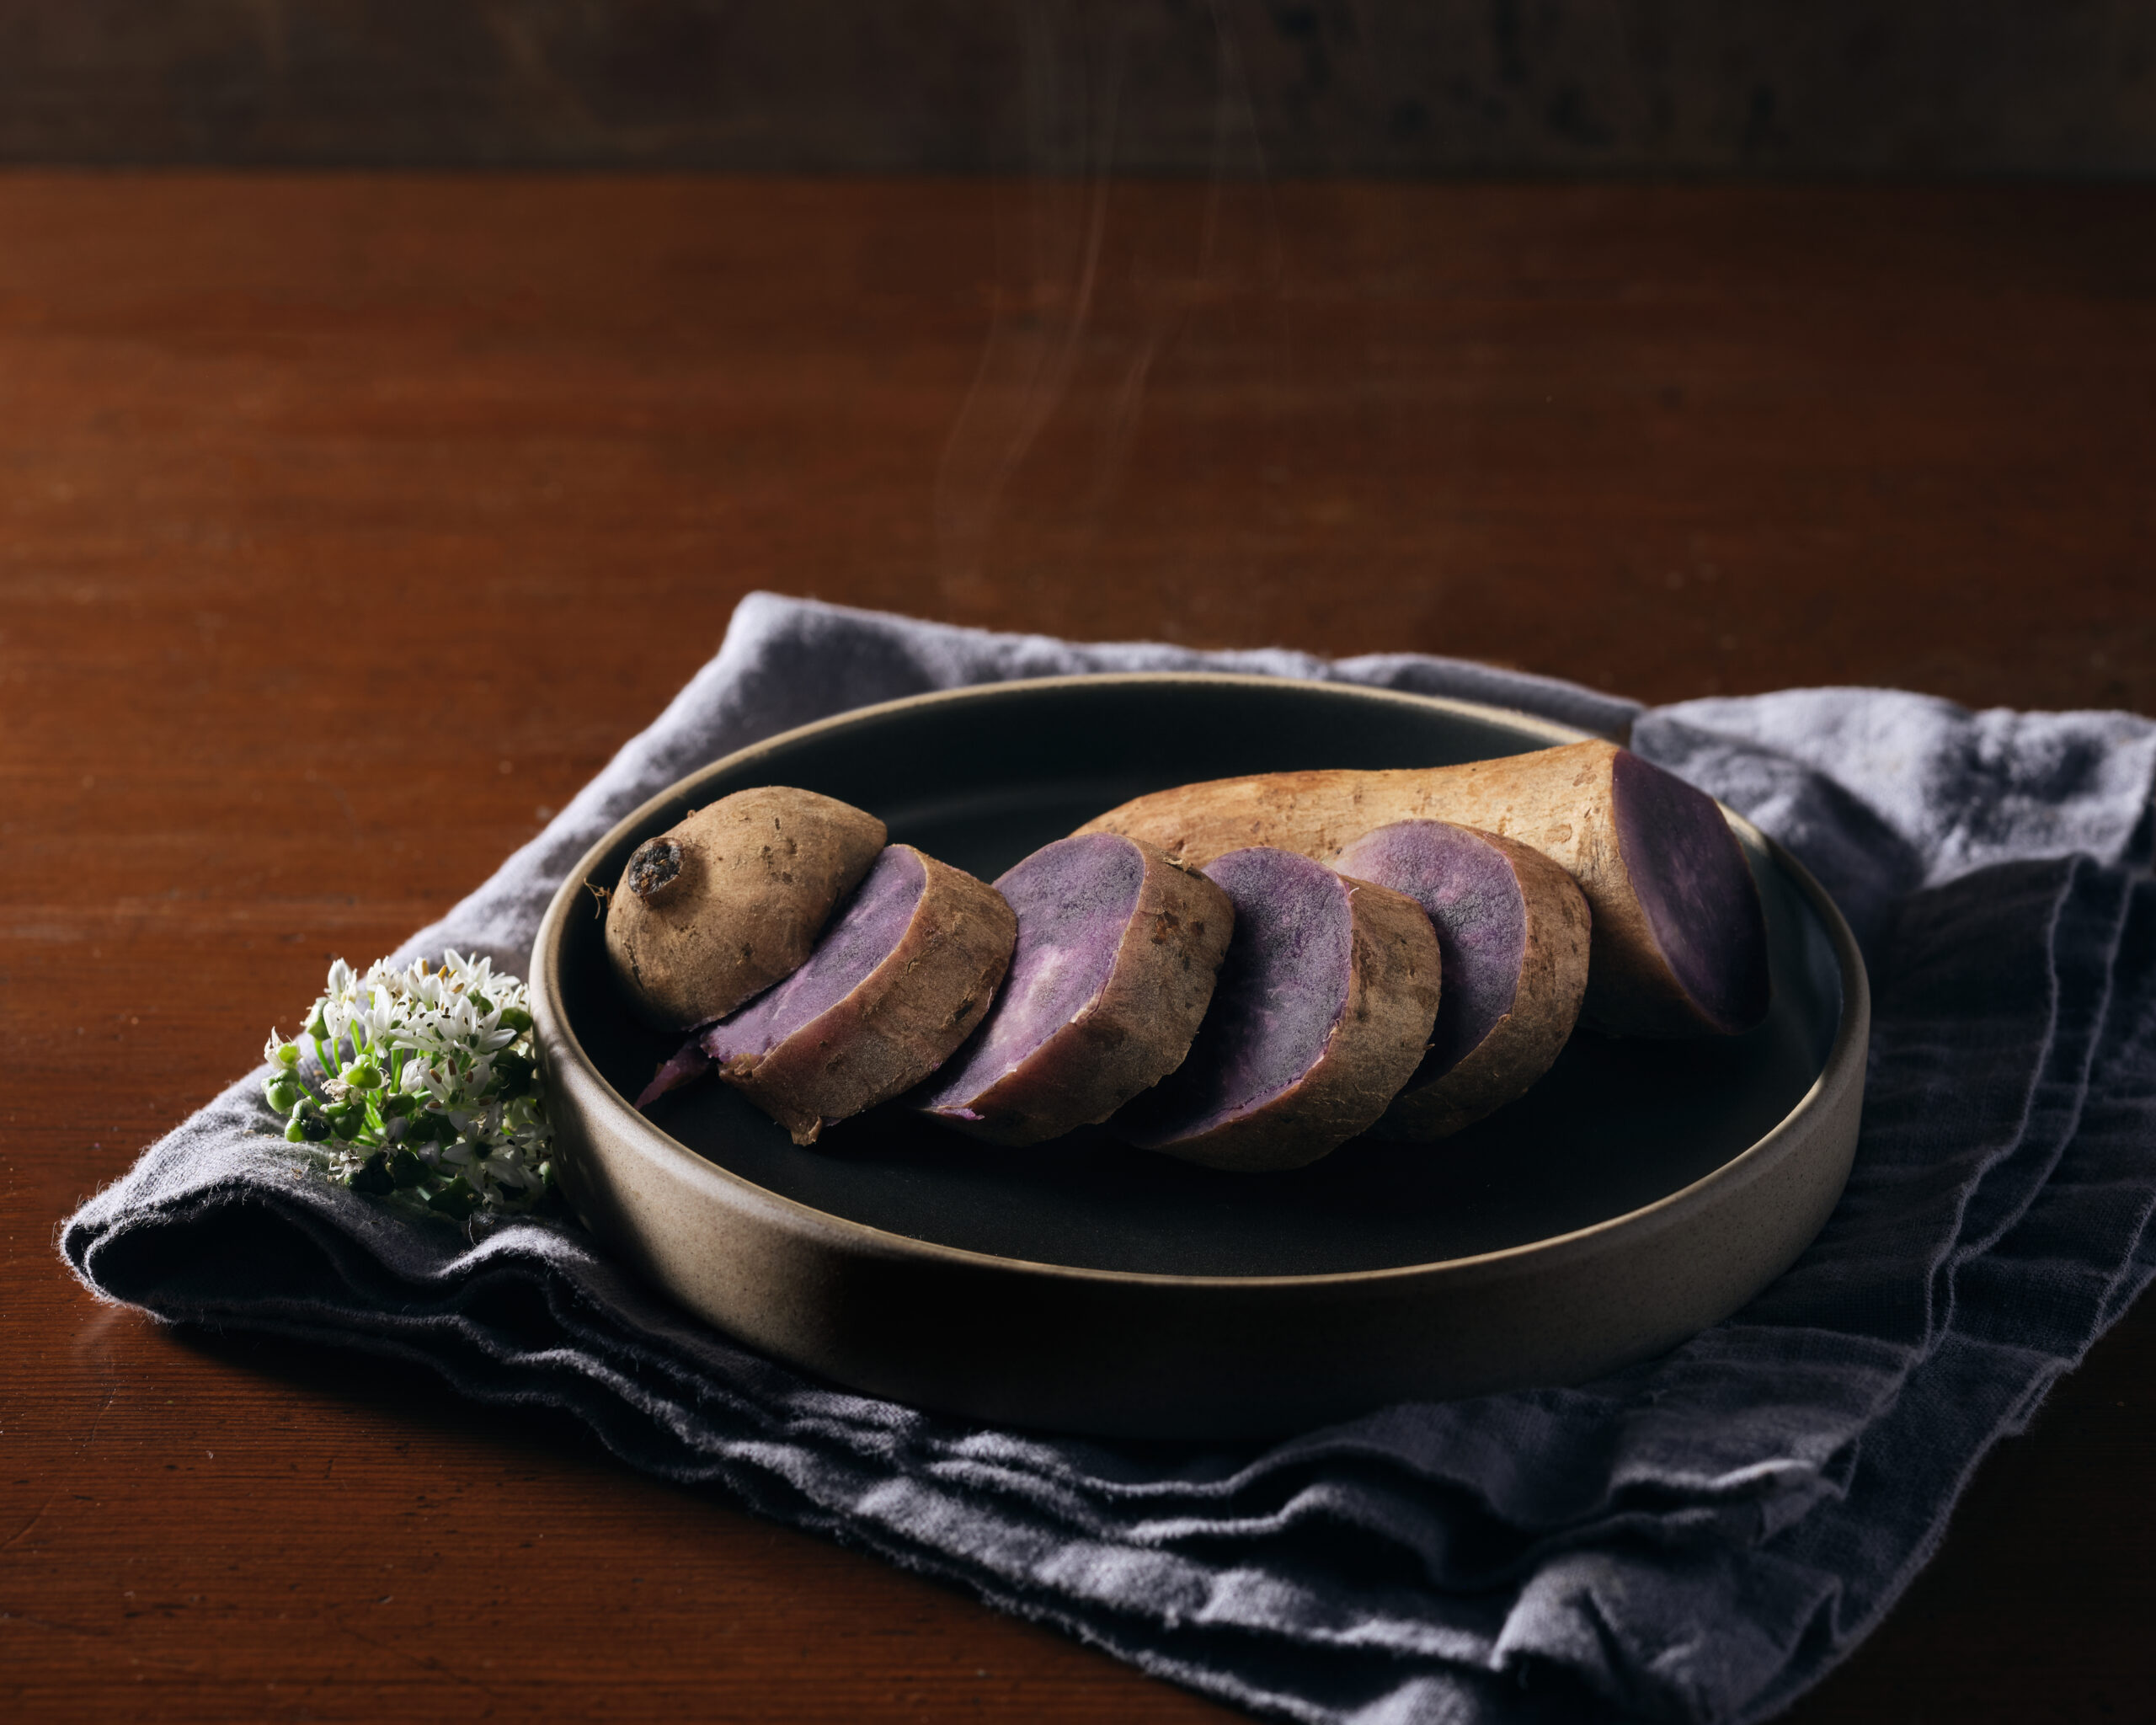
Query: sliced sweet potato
{"type": "Point", "coordinates": [1116, 956]}
{"type": "Point", "coordinates": [903, 976]}
{"type": "Point", "coordinates": [722, 906]}
{"type": "Point", "coordinates": [1680, 940]}
{"type": "Point", "coordinates": [1513, 930]}
{"type": "Point", "coordinates": [685, 1066]}
{"type": "Point", "coordinates": [1322, 1012]}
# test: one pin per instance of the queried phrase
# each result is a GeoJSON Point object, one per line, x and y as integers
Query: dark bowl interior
{"type": "Point", "coordinates": [983, 779]}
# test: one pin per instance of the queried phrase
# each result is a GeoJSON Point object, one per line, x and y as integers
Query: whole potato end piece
{"type": "Point", "coordinates": [731, 899]}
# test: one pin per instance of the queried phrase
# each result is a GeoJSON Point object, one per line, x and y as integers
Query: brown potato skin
{"type": "Point", "coordinates": [1383, 1032]}
{"type": "Point", "coordinates": [1525, 1043]}
{"type": "Point", "coordinates": [1556, 801]}
{"type": "Point", "coordinates": [761, 872]}
{"type": "Point", "coordinates": [903, 1020]}
{"type": "Point", "coordinates": [1136, 1032]}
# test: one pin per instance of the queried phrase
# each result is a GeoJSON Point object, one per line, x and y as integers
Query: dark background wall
{"type": "Point", "coordinates": [1561, 87]}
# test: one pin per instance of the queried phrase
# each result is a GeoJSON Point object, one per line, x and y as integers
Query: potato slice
{"type": "Point", "coordinates": [1513, 930]}
{"type": "Point", "coordinates": [1322, 1013]}
{"type": "Point", "coordinates": [906, 974]}
{"type": "Point", "coordinates": [1116, 956]}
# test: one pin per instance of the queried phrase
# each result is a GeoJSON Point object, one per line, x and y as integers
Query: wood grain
{"type": "Point", "coordinates": [347, 524]}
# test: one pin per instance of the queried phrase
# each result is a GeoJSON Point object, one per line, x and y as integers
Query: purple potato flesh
{"type": "Point", "coordinates": [1513, 930]}
{"type": "Point", "coordinates": [865, 934]}
{"type": "Point", "coordinates": [902, 976]}
{"type": "Point", "coordinates": [1691, 879]}
{"type": "Point", "coordinates": [1113, 968]}
{"type": "Point", "coordinates": [1321, 1012]}
{"type": "Point", "coordinates": [1073, 902]}
{"type": "Point", "coordinates": [1467, 887]}
{"type": "Point", "coordinates": [684, 1068]}
{"type": "Point", "coordinates": [862, 938]}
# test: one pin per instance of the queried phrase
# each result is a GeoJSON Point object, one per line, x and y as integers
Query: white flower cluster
{"type": "Point", "coordinates": [423, 1081]}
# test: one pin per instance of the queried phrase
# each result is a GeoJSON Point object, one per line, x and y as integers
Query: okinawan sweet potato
{"type": "Point", "coordinates": [1321, 1012]}
{"type": "Point", "coordinates": [1114, 967]}
{"type": "Point", "coordinates": [1680, 939]}
{"type": "Point", "coordinates": [731, 899]}
{"type": "Point", "coordinates": [677, 1071]}
{"type": "Point", "coordinates": [1513, 930]}
{"type": "Point", "coordinates": [905, 975]}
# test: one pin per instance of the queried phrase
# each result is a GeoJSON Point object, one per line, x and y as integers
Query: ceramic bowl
{"type": "Point", "coordinates": [1642, 1191]}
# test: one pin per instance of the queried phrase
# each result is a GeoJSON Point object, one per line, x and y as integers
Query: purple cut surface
{"type": "Point", "coordinates": [862, 936]}
{"type": "Point", "coordinates": [1283, 987]}
{"type": "Point", "coordinates": [1692, 880]}
{"type": "Point", "coordinates": [1073, 899]}
{"type": "Point", "coordinates": [1475, 903]}
{"type": "Point", "coordinates": [688, 1064]}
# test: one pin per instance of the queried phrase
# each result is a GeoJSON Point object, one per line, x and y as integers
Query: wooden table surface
{"type": "Point", "coordinates": [348, 523]}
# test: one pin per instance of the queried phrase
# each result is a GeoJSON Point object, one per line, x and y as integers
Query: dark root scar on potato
{"type": "Point", "coordinates": [656, 865]}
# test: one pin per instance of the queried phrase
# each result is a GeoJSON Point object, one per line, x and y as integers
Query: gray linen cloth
{"type": "Point", "coordinates": [1698, 1538]}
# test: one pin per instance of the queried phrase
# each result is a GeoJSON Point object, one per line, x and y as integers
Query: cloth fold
{"type": "Point", "coordinates": [1698, 1538]}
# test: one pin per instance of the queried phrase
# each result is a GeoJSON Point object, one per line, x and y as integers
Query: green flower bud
{"type": "Point", "coordinates": [365, 1076]}
{"type": "Point", "coordinates": [512, 1075]}
{"type": "Point", "coordinates": [348, 1123]}
{"type": "Point", "coordinates": [406, 1170]}
{"type": "Point", "coordinates": [295, 1131]}
{"type": "Point", "coordinates": [431, 1129]}
{"type": "Point", "coordinates": [284, 1092]}
{"type": "Point", "coordinates": [456, 1199]}
{"type": "Point", "coordinates": [516, 1019]}
{"type": "Point", "coordinates": [288, 1054]}
{"type": "Point", "coordinates": [372, 1176]}
{"type": "Point", "coordinates": [313, 1127]}
{"type": "Point", "coordinates": [318, 1023]}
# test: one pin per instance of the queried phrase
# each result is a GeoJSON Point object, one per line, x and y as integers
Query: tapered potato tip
{"type": "Point", "coordinates": [731, 901]}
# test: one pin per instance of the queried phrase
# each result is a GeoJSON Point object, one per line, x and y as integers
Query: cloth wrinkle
{"type": "Point", "coordinates": [1699, 1538]}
